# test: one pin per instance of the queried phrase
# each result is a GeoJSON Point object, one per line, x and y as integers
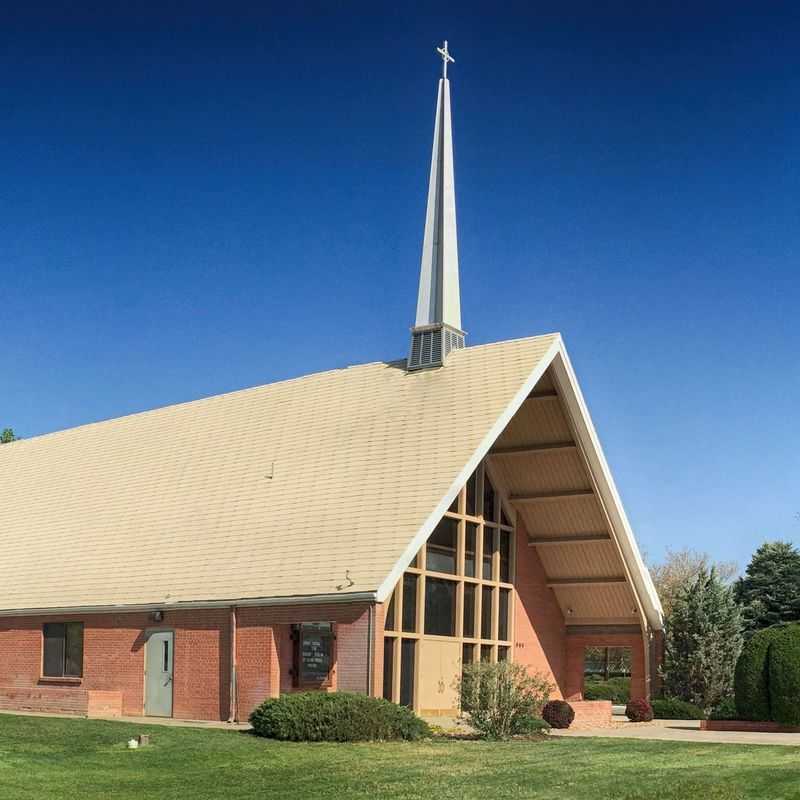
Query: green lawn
{"type": "Point", "coordinates": [62, 759]}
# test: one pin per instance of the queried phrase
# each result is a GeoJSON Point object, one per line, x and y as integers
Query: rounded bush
{"type": "Point", "coordinates": [335, 717]}
{"type": "Point", "coordinates": [751, 679]}
{"type": "Point", "coordinates": [558, 714]}
{"type": "Point", "coordinates": [784, 676]}
{"type": "Point", "coordinates": [673, 708]}
{"type": "Point", "coordinates": [639, 711]}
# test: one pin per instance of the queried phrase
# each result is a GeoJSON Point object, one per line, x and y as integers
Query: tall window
{"type": "Point", "coordinates": [458, 586]}
{"type": "Point", "coordinates": [63, 650]}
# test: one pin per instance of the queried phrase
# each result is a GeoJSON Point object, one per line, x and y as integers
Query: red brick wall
{"type": "Point", "coordinates": [266, 652]}
{"type": "Point", "coordinates": [576, 645]}
{"type": "Point", "coordinates": [113, 657]}
{"type": "Point", "coordinates": [539, 629]}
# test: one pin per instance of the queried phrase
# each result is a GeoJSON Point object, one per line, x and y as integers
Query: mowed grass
{"type": "Point", "coordinates": [62, 759]}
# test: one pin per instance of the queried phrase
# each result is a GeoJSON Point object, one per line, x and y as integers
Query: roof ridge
{"type": "Point", "coordinates": [18, 443]}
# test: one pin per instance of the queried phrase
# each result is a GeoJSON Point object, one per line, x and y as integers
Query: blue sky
{"type": "Point", "coordinates": [196, 198]}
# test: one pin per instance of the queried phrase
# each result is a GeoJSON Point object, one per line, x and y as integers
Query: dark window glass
{"type": "Point", "coordinates": [486, 612]}
{"type": "Point", "coordinates": [502, 654]}
{"type": "Point", "coordinates": [442, 546]}
{"type": "Point", "coordinates": [407, 651]}
{"type": "Point", "coordinates": [488, 552]}
{"type": "Point", "coordinates": [54, 649]}
{"type": "Point", "coordinates": [390, 621]}
{"type": "Point", "coordinates": [502, 622]}
{"type": "Point", "coordinates": [470, 537]}
{"type": "Point", "coordinates": [388, 668]}
{"type": "Point", "coordinates": [63, 649]}
{"type": "Point", "coordinates": [471, 494]}
{"type": "Point", "coordinates": [467, 654]}
{"type": "Point", "coordinates": [469, 610]}
{"type": "Point", "coordinates": [440, 607]}
{"type": "Point", "coordinates": [409, 603]}
{"type": "Point", "coordinates": [488, 498]}
{"type": "Point", "coordinates": [504, 518]}
{"type": "Point", "coordinates": [414, 562]}
{"type": "Point", "coordinates": [454, 504]}
{"type": "Point", "coordinates": [505, 556]}
{"type": "Point", "coordinates": [315, 652]}
{"type": "Point", "coordinates": [486, 653]}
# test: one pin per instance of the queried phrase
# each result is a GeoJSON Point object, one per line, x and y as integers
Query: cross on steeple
{"type": "Point", "coordinates": [442, 51]}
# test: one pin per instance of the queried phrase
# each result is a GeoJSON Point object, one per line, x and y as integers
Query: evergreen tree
{"type": "Point", "coordinates": [703, 641]}
{"type": "Point", "coordinates": [769, 592]}
{"type": "Point", "coordinates": [7, 435]}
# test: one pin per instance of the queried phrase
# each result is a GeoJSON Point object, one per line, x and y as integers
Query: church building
{"type": "Point", "coordinates": [369, 529]}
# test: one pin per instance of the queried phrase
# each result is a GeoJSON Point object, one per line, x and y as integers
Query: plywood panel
{"type": "Point", "coordinates": [595, 560]}
{"type": "Point", "coordinates": [440, 667]}
{"type": "Point", "coordinates": [544, 471]}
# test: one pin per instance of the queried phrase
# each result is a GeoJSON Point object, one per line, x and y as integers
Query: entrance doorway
{"type": "Point", "coordinates": [159, 656]}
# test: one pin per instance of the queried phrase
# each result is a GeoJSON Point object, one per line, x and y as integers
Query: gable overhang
{"type": "Point", "coordinates": [636, 574]}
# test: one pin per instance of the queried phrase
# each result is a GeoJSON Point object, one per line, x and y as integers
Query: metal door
{"type": "Point", "coordinates": [159, 655]}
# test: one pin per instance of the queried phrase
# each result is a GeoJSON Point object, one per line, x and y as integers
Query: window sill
{"type": "Point", "coordinates": [65, 680]}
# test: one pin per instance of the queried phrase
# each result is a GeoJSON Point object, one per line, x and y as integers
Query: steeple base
{"type": "Point", "coordinates": [431, 344]}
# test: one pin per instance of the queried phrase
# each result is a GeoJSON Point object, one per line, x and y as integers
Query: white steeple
{"type": "Point", "coordinates": [437, 330]}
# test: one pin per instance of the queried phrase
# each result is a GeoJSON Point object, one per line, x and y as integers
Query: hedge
{"type": "Point", "coordinates": [673, 708]}
{"type": "Point", "coordinates": [617, 690]}
{"type": "Point", "coordinates": [335, 717]}
{"type": "Point", "coordinates": [784, 676]}
{"type": "Point", "coordinates": [751, 679]}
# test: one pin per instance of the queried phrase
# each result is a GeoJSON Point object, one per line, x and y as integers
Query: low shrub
{"type": "Point", "coordinates": [784, 676]}
{"type": "Point", "coordinates": [751, 679]}
{"type": "Point", "coordinates": [558, 714]}
{"type": "Point", "coordinates": [503, 699]}
{"type": "Point", "coordinates": [335, 717]}
{"type": "Point", "coordinates": [617, 690]}
{"type": "Point", "coordinates": [673, 708]}
{"type": "Point", "coordinates": [639, 711]}
{"type": "Point", "coordinates": [725, 710]}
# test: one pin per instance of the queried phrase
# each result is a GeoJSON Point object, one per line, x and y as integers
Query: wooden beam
{"type": "Point", "coordinates": [605, 630]}
{"type": "Point", "coordinates": [546, 497]}
{"type": "Point", "coordinates": [579, 538]}
{"type": "Point", "coordinates": [525, 449]}
{"type": "Point", "coordinates": [541, 395]}
{"type": "Point", "coordinates": [586, 581]}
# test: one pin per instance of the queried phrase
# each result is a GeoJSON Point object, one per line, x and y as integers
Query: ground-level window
{"type": "Point", "coordinates": [63, 650]}
{"type": "Point", "coordinates": [408, 650]}
{"type": "Point", "coordinates": [313, 654]}
{"type": "Point", "coordinates": [388, 667]}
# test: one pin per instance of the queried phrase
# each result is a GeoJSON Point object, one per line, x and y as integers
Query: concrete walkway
{"type": "Point", "coordinates": [679, 730]}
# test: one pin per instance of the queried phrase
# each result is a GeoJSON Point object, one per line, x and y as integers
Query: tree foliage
{"type": "Point", "coordinates": [7, 435]}
{"type": "Point", "coordinates": [769, 591]}
{"type": "Point", "coordinates": [680, 569]}
{"type": "Point", "coordinates": [703, 641]}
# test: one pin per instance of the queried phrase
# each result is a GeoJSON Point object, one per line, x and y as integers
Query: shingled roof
{"type": "Point", "coordinates": [271, 493]}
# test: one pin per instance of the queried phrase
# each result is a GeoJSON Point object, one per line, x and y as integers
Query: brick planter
{"type": "Point", "coordinates": [591, 713]}
{"type": "Point", "coordinates": [61, 700]}
{"type": "Point", "coordinates": [746, 726]}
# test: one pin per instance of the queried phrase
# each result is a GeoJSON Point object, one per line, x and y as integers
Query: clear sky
{"type": "Point", "coordinates": [198, 198]}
